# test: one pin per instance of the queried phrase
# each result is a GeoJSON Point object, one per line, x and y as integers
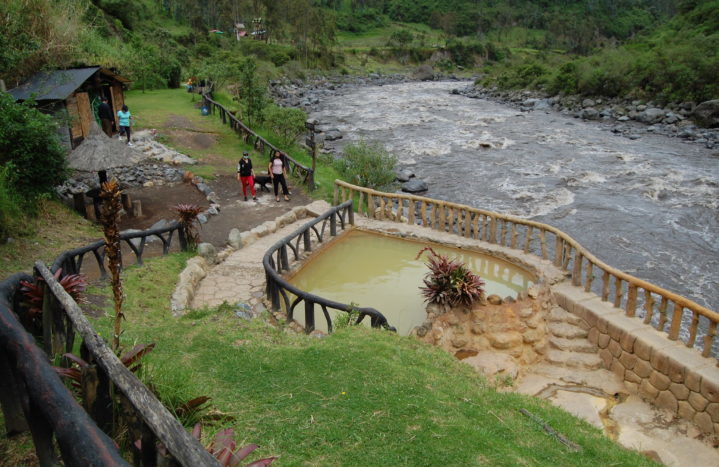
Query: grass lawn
{"type": "Point", "coordinates": [358, 397]}
{"type": "Point", "coordinates": [55, 229]}
{"type": "Point", "coordinates": [160, 109]}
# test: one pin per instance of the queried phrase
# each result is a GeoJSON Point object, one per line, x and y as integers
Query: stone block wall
{"type": "Point", "coordinates": [514, 330]}
{"type": "Point", "coordinates": [661, 371]}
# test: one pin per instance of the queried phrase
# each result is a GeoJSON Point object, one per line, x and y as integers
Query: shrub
{"type": "Point", "coordinates": [30, 142]}
{"type": "Point", "coordinates": [286, 122]}
{"type": "Point", "coordinates": [11, 211]}
{"type": "Point", "coordinates": [367, 165]}
{"type": "Point", "coordinates": [450, 282]}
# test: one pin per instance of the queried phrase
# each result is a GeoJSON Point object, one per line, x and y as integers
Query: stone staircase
{"type": "Point", "coordinates": [568, 343]}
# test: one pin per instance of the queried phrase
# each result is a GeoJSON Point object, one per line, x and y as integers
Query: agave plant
{"type": "Point", "coordinates": [74, 285]}
{"type": "Point", "coordinates": [188, 214]}
{"type": "Point", "coordinates": [449, 281]}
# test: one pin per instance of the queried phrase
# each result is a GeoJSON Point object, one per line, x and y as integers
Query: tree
{"type": "Point", "coordinates": [286, 122]}
{"type": "Point", "coordinates": [252, 92]}
{"type": "Point", "coordinates": [30, 148]}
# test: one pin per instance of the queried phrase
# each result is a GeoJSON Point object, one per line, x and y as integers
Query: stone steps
{"type": "Point", "coordinates": [566, 330]}
{"type": "Point", "coordinates": [572, 345]}
{"type": "Point", "coordinates": [560, 315]}
{"type": "Point", "coordinates": [589, 361]}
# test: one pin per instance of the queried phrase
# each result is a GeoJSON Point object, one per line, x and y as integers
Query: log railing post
{"type": "Point", "coordinates": [309, 316]}
{"type": "Point", "coordinates": [10, 399]}
{"type": "Point", "coordinates": [676, 321]}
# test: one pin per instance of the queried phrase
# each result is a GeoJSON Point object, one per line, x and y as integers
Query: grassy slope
{"type": "Point", "coordinates": [153, 108]}
{"type": "Point", "coordinates": [358, 397]}
{"type": "Point", "coordinates": [55, 229]}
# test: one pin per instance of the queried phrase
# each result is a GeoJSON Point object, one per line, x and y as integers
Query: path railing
{"type": "Point", "coordinates": [72, 261]}
{"type": "Point", "coordinates": [34, 398]}
{"type": "Point", "coordinates": [660, 308]}
{"type": "Point", "coordinates": [277, 260]}
{"type": "Point", "coordinates": [305, 174]}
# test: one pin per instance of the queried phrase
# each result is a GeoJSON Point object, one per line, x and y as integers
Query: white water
{"type": "Point", "coordinates": [646, 206]}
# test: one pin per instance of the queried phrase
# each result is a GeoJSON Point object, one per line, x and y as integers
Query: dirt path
{"type": "Point", "coordinates": [157, 201]}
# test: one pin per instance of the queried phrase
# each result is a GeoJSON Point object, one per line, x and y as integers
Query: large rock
{"type": "Point", "coordinates": [706, 114]}
{"type": "Point", "coordinates": [403, 175]}
{"type": "Point", "coordinates": [332, 134]}
{"type": "Point", "coordinates": [207, 251]}
{"type": "Point", "coordinates": [234, 239]}
{"type": "Point", "coordinates": [415, 186]}
{"type": "Point", "coordinates": [651, 116]}
{"type": "Point", "coordinates": [590, 113]}
{"type": "Point", "coordinates": [424, 73]}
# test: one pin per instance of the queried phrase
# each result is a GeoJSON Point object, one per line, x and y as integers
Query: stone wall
{"type": "Point", "coordinates": [498, 339]}
{"type": "Point", "coordinates": [663, 372]}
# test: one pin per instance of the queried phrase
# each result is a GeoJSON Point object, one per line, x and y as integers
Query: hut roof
{"type": "Point", "coordinates": [58, 84]}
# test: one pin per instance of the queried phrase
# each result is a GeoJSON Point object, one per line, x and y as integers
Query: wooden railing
{"type": "Point", "coordinates": [72, 261]}
{"type": "Point", "coordinates": [277, 260]}
{"type": "Point", "coordinates": [305, 174]}
{"type": "Point", "coordinates": [677, 316]}
{"type": "Point", "coordinates": [34, 398]}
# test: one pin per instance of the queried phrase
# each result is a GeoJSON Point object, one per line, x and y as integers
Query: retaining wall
{"type": "Point", "coordinates": [661, 371]}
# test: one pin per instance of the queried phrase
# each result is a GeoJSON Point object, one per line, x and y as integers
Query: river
{"type": "Point", "coordinates": [647, 206]}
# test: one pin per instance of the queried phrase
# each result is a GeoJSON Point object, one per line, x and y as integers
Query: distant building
{"type": "Point", "coordinates": [78, 91]}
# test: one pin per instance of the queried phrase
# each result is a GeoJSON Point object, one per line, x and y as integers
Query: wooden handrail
{"type": "Point", "coordinates": [260, 143]}
{"type": "Point", "coordinates": [568, 254]}
{"type": "Point", "coordinates": [278, 287]}
{"type": "Point", "coordinates": [184, 448]}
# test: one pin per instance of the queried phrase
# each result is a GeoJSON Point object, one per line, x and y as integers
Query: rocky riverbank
{"type": "Point", "coordinates": [629, 118]}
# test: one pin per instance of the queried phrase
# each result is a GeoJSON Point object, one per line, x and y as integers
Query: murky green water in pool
{"type": "Point", "coordinates": [377, 271]}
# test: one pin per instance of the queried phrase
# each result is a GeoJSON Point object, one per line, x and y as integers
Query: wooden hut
{"type": "Point", "coordinates": [79, 92]}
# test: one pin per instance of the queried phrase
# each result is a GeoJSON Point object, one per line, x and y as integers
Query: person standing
{"type": "Point", "coordinates": [278, 172]}
{"type": "Point", "coordinates": [246, 175]}
{"type": "Point", "coordinates": [125, 117]}
{"type": "Point", "coordinates": [105, 113]}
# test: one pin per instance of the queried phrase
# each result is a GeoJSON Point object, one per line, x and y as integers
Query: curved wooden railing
{"type": "Point", "coordinates": [662, 309]}
{"type": "Point", "coordinates": [34, 398]}
{"type": "Point", "coordinates": [71, 261]}
{"type": "Point", "coordinates": [277, 260]}
{"type": "Point", "coordinates": [305, 174]}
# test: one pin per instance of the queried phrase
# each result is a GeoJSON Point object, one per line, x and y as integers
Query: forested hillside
{"type": "Point", "coordinates": [662, 48]}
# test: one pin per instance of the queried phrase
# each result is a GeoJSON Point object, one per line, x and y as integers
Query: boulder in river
{"type": "Point", "coordinates": [403, 175]}
{"type": "Point", "coordinates": [415, 186]}
{"type": "Point", "coordinates": [706, 114]}
{"type": "Point", "coordinates": [332, 135]}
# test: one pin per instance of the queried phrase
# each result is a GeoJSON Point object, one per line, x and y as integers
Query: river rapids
{"type": "Point", "coordinates": [647, 206]}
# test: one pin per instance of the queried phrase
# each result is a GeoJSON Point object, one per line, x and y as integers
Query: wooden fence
{"type": "Point", "coordinates": [305, 174]}
{"type": "Point", "coordinates": [663, 310]}
{"type": "Point", "coordinates": [277, 260]}
{"type": "Point", "coordinates": [34, 398]}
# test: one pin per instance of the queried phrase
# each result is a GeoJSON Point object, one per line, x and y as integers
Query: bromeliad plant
{"type": "Point", "coordinates": [74, 285]}
{"type": "Point", "coordinates": [449, 282]}
{"type": "Point", "coordinates": [188, 215]}
{"type": "Point", "coordinates": [131, 360]}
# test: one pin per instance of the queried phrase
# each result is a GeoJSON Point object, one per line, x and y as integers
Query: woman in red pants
{"type": "Point", "coordinates": [246, 175]}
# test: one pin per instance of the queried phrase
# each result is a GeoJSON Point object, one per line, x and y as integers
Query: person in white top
{"type": "Point", "coordinates": [278, 172]}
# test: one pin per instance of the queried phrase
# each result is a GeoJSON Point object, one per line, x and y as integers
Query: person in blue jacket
{"type": "Point", "coordinates": [125, 118]}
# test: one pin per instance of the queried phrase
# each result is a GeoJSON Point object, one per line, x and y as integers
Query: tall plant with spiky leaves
{"type": "Point", "coordinates": [188, 215]}
{"type": "Point", "coordinates": [111, 205]}
{"type": "Point", "coordinates": [450, 281]}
